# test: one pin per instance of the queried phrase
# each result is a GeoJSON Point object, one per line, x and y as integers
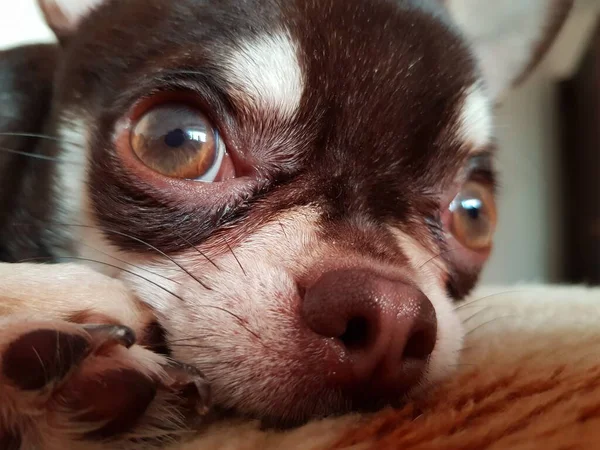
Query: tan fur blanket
{"type": "Point", "coordinates": [529, 379]}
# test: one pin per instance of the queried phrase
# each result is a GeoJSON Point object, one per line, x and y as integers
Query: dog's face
{"type": "Point", "coordinates": [300, 189]}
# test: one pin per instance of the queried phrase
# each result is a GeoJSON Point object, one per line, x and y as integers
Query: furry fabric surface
{"type": "Point", "coordinates": [529, 379]}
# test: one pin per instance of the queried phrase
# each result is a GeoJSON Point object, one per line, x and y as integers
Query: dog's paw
{"type": "Point", "coordinates": [61, 383]}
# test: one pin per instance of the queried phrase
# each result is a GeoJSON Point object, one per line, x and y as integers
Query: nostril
{"type": "Point", "coordinates": [374, 317]}
{"type": "Point", "coordinates": [356, 335]}
{"type": "Point", "coordinates": [420, 345]}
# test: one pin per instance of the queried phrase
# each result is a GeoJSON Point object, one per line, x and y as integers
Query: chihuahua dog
{"type": "Point", "coordinates": [261, 207]}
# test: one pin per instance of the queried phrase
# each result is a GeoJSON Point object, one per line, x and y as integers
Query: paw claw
{"type": "Point", "coordinates": [191, 386]}
{"type": "Point", "coordinates": [108, 336]}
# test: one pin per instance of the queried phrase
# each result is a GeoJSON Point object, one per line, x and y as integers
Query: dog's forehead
{"type": "Point", "coordinates": [386, 95]}
{"type": "Point", "coordinates": [374, 55]}
{"type": "Point", "coordinates": [377, 76]}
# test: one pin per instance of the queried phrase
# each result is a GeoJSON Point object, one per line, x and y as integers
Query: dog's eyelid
{"type": "Point", "coordinates": [482, 160]}
{"type": "Point", "coordinates": [482, 170]}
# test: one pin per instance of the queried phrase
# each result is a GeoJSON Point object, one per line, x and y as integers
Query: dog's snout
{"type": "Point", "coordinates": [383, 330]}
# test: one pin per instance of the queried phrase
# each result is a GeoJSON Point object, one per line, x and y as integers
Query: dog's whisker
{"type": "Point", "coordinates": [40, 136]}
{"type": "Point", "coordinates": [282, 229]}
{"type": "Point", "coordinates": [114, 266]}
{"type": "Point", "coordinates": [238, 318]}
{"type": "Point", "coordinates": [467, 348]}
{"type": "Point", "coordinates": [182, 72]}
{"type": "Point", "coordinates": [196, 337]}
{"type": "Point", "coordinates": [128, 263]}
{"type": "Point", "coordinates": [235, 257]}
{"type": "Point", "coordinates": [204, 285]}
{"type": "Point", "coordinates": [148, 245]}
{"type": "Point", "coordinates": [200, 252]}
{"type": "Point", "coordinates": [473, 316]}
{"type": "Point", "coordinates": [433, 258]}
{"type": "Point", "coordinates": [473, 303]}
{"type": "Point", "coordinates": [489, 322]}
{"type": "Point", "coordinates": [36, 156]}
{"type": "Point", "coordinates": [218, 308]}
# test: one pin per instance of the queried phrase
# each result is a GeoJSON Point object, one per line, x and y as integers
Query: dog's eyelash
{"type": "Point", "coordinates": [435, 226]}
{"type": "Point", "coordinates": [480, 167]}
{"type": "Point", "coordinates": [485, 176]}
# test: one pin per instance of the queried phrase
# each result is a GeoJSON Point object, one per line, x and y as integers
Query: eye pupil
{"type": "Point", "coordinates": [175, 138]}
{"type": "Point", "coordinates": [472, 207]}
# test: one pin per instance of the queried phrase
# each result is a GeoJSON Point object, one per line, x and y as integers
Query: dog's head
{"type": "Point", "coordinates": [301, 189]}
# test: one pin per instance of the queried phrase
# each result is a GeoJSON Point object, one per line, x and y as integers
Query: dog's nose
{"type": "Point", "coordinates": [383, 330]}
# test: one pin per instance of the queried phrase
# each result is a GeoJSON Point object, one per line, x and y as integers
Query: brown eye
{"type": "Point", "coordinates": [178, 141]}
{"type": "Point", "coordinates": [473, 220]}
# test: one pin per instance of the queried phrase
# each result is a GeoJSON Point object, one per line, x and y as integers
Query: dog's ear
{"type": "Point", "coordinates": [64, 16]}
{"type": "Point", "coordinates": [509, 37]}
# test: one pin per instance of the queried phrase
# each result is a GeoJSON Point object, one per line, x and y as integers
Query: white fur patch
{"type": "Point", "coordinates": [71, 170]}
{"type": "Point", "coordinates": [73, 218]}
{"type": "Point", "coordinates": [267, 72]}
{"type": "Point", "coordinates": [475, 123]}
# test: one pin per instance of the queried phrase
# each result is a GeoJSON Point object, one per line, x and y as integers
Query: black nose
{"type": "Point", "coordinates": [385, 329]}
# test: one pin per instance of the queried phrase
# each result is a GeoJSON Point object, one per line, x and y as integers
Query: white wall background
{"type": "Point", "coordinates": [528, 241]}
{"type": "Point", "coordinates": [20, 22]}
{"type": "Point", "coordinates": [528, 238]}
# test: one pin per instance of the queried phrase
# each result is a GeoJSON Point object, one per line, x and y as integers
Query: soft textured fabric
{"type": "Point", "coordinates": [529, 378]}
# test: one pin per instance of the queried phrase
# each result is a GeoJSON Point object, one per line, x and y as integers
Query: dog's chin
{"type": "Point", "coordinates": [290, 421]}
{"type": "Point", "coordinates": [280, 414]}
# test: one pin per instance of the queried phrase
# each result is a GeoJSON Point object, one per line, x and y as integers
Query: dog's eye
{"type": "Point", "coordinates": [473, 216]}
{"type": "Point", "coordinates": [178, 141]}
